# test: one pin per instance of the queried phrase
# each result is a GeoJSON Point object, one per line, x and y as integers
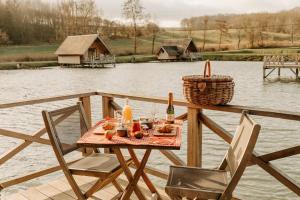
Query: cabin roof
{"type": "Point", "coordinates": [180, 43]}
{"type": "Point", "coordinates": [171, 50]}
{"type": "Point", "coordinates": [79, 44]}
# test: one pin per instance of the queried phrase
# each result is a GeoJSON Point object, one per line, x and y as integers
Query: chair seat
{"type": "Point", "coordinates": [196, 182]}
{"type": "Point", "coordinates": [97, 163]}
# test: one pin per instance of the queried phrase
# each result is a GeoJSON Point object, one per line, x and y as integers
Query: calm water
{"type": "Point", "coordinates": [153, 79]}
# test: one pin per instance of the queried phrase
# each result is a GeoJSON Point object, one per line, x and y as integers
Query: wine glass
{"type": "Point", "coordinates": [154, 112]}
{"type": "Point", "coordinates": [118, 117]}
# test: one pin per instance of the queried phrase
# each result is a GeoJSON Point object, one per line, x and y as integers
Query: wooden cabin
{"type": "Point", "coordinates": [84, 50]}
{"type": "Point", "coordinates": [168, 53]}
{"type": "Point", "coordinates": [182, 49]}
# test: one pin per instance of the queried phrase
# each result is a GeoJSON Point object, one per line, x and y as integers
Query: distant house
{"type": "Point", "coordinates": [180, 49]}
{"type": "Point", "coordinates": [84, 50]}
{"type": "Point", "coordinates": [168, 53]}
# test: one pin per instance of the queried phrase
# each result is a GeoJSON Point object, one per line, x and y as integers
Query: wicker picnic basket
{"type": "Point", "coordinates": [208, 89]}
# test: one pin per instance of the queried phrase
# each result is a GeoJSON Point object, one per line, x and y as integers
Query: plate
{"type": "Point", "coordinates": [100, 131]}
{"type": "Point", "coordinates": [172, 133]}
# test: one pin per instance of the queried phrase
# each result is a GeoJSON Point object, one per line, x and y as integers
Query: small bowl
{"type": "Point", "coordinates": [122, 132]}
{"type": "Point", "coordinates": [148, 123]}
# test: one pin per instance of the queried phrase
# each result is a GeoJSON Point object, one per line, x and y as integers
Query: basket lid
{"type": "Point", "coordinates": [213, 78]}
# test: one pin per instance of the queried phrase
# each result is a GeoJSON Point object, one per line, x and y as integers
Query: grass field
{"type": "Point", "coordinates": [123, 48]}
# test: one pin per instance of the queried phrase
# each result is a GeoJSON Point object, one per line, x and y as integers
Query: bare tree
{"type": "Point", "coordinates": [133, 10]}
{"type": "Point", "coordinates": [223, 29]}
{"type": "Point", "coordinates": [153, 29]}
{"type": "Point", "coordinates": [205, 24]}
{"type": "Point", "coordinates": [239, 38]}
{"type": "Point", "coordinates": [187, 25]}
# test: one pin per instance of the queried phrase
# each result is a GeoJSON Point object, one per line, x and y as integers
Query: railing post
{"type": "Point", "coordinates": [194, 138]}
{"type": "Point", "coordinates": [86, 103]}
{"type": "Point", "coordinates": [107, 111]}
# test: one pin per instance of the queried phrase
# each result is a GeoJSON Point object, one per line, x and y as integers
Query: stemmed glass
{"type": "Point", "coordinates": [154, 112]}
{"type": "Point", "coordinates": [118, 117]}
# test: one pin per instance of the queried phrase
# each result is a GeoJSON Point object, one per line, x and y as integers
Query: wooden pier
{"type": "Point", "coordinates": [196, 120]}
{"type": "Point", "coordinates": [273, 63]}
{"type": "Point", "coordinates": [60, 189]}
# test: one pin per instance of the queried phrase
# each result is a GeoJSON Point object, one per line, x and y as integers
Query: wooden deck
{"type": "Point", "coordinates": [60, 190]}
{"type": "Point", "coordinates": [272, 63]}
{"type": "Point", "coordinates": [195, 117]}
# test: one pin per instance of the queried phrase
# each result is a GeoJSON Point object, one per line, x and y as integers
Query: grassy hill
{"type": "Point", "coordinates": [124, 47]}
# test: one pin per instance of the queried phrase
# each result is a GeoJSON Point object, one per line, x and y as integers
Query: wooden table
{"type": "Point", "coordinates": [90, 139]}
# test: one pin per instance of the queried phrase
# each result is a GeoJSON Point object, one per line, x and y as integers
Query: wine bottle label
{"type": "Point", "coordinates": [170, 117]}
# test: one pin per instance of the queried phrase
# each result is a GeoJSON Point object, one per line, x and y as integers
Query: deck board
{"type": "Point", "coordinates": [34, 194]}
{"type": "Point", "coordinates": [60, 189]}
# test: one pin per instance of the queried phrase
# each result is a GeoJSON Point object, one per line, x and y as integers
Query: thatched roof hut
{"type": "Point", "coordinates": [181, 47]}
{"type": "Point", "coordinates": [82, 48]}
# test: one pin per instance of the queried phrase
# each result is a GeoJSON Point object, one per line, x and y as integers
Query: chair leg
{"type": "Point", "coordinates": [117, 186]}
{"type": "Point", "coordinates": [102, 183]}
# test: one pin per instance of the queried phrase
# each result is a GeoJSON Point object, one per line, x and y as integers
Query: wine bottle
{"type": "Point", "coordinates": [170, 115]}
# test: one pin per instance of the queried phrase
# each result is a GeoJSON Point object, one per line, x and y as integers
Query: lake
{"type": "Point", "coordinates": [154, 79]}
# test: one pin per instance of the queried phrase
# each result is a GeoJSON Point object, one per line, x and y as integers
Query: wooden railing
{"type": "Point", "coordinates": [195, 120]}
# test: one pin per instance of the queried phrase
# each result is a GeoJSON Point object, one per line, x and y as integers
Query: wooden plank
{"type": "Point", "coordinates": [279, 154]}
{"type": "Point", "coordinates": [209, 123]}
{"type": "Point", "coordinates": [194, 138]}
{"type": "Point", "coordinates": [59, 189]}
{"type": "Point", "coordinates": [116, 106]}
{"type": "Point", "coordinates": [25, 144]}
{"type": "Point", "coordinates": [23, 136]}
{"type": "Point", "coordinates": [53, 193]}
{"type": "Point", "coordinates": [278, 174]}
{"type": "Point", "coordinates": [141, 98]}
{"type": "Point", "coordinates": [45, 100]}
{"type": "Point", "coordinates": [86, 103]}
{"type": "Point", "coordinates": [31, 176]}
{"type": "Point", "coordinates": [182, 117]}
{"type": "Point", "coordinates": [225, 108]}
{"type": "Point", "coordinates": [63, 187]}
{"type": "Point", "coordinates": [107, 110]}
{"type": "Point", "coordinates": [34, 194]}
{"type": "Point", "coordinates": [16, 196]}
{"type": "Point", "coordinates": [226, 136]}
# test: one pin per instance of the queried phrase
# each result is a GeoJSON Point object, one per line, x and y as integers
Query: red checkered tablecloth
{"type": "Point", "coordinates": [90, 139]}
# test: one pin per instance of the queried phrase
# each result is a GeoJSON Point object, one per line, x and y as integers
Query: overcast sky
{"type": "Point", "coordinates": [170, 12]}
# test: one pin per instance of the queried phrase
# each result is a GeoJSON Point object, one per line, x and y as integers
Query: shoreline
{"type": "Point", "coordinates": [134, 59]}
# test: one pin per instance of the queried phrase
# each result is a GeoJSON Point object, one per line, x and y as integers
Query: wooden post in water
{"type": "Point", "coordinates": [279, 71]}
{"type": "Point", "coordinates": [107, 111]}
{"type": "Point", "coordinates": [194, 138]}
{"type": "Point", "coordinates": [297, 73]}
{"type": "Point", "coordinates": [86, 103]}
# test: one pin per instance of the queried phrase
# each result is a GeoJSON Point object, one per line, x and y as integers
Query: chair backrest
{"type": "Point", "coordinates": [240, 150]}
{"type": "Point", "coordinates": [65, 126]}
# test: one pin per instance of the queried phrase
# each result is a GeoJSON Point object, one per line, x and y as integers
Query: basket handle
{"type": "Point", "coordinates": [207, 69]}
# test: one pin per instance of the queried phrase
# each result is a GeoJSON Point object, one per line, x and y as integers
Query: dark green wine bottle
{"type": "Point", "coordinates": [170, 115]}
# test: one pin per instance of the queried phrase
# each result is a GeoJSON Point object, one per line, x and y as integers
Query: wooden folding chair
{"type": "Point", "coordinates": [198, 183]}
{"type": "Point", "coordinates": [64, 127]}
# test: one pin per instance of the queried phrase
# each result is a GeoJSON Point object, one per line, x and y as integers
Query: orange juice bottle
{"type": "Point", "coordinates": [127, 113]}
